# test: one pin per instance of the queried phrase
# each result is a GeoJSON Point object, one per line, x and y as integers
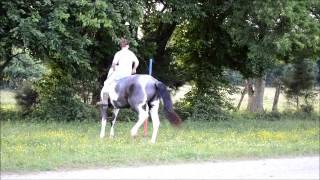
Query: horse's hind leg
{"type": "Point", "coordinates": [154, 107]}
{"type": "Point", "coordinates": [143, 115]}
{"type": "Point", "coordinates": [114, 118]}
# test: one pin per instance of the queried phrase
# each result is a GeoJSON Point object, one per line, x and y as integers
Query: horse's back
{"type": "Point", "coordinates": [142, 78]}
{"type": "Point", "coordinates": [138, 80]}
{"type": "Point", "coordinates": [137, 88]}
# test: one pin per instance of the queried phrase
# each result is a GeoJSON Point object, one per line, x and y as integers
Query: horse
{"type": "Point", "coordinates": [141, 93]}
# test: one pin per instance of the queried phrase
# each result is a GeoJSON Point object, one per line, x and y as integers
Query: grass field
{"type": "Point", "coordinates": [47, 146]}
{"type": "Point", "coordinates": [7, 100]}
{"type": "Point", "coordinates": [30, 146]}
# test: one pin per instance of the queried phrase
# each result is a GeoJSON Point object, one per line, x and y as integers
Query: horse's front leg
{"type": "Point", "coordinates": [114, 118]}
{"type": "Point", "coordinates": [103, 111]}
{"type": "Point", "coordinates": [155, 119]}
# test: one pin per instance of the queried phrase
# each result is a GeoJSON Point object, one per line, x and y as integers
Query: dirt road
{"type": "Point", "coordinates": [281, 168]}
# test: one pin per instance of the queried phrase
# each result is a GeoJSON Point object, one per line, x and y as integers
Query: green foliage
{"type": "Point", "coordinates": [190, 40]}
{"type": "Point", "coordinates": [126, 115]}
{"type": "Point", "coordinates": [201, 107]}
{"type": "Point", "coordinates": [299, 80]}
{"type": "Point", "coordinates": [251, 37]}
{"type": "Point", "coordinates": [234, 77]}
{"type": "Point", "coordinates": [58, 32]}
{"type": "Point", "coordinates": [26, 97]}
{"type": "Point", "coordinates": [308, 108]}
{"type": "Point", "coordinates": [22, 68]}
{"type": "Point", "coordinates": [207, 100]}
{"type": "Point", "coordinates": [273, 31]}
{"type": "Point", "coordinates": [58, 101]}
{"type": "Point", "coordinates": [77, 37]}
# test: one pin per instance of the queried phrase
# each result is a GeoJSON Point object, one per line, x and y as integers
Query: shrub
{"type": "Point", "coordinates": [306, 108]}
{"type": "Point", "coordinates": [127, 115]}
{"type": "Point", "coordinates": [210, 107]}
{"type": "Point", "coordinates": [65, 110]}
{"type": "Point", "coordinates": [58, 100]}
{"type": "Point", "coordinates": [26, 97]}
{"type": "Point", "coordinates": [299, 80]}
{"type": "Point", "coordinates": [22, 67]}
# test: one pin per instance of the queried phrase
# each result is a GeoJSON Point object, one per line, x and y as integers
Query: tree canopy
{"type": "Point", "coordinates": [190, 40]}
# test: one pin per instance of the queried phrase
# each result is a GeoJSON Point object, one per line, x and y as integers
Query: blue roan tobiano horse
{"type": "Point", "coordinates": [141, 93]}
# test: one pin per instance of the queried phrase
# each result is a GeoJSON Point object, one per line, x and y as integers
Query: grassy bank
{"type": "Point", "coordinates": [37, 145]}
{"type": "Point", "coordinates": [52, 145]}
{"type": "Point", "coordinates": [7, 100]}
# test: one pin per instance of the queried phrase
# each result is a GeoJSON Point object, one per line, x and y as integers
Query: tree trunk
{"type": "Point", "coordinates": [250, 95]}
{"type": "Point", "coordinates": [243, 93]}
{"type": "Point", "coordinates": [276, 98]}
{"type": "Point", "coordinates": [255, 103]}
{"type": "Point", "coordinates": [259, 86]}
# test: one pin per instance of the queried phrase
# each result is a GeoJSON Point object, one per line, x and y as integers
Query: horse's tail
{"type": "Point", "coordinates": [170, 114]}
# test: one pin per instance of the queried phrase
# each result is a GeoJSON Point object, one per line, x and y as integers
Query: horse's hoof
{"type": "Point", "coordinates": [134, 133]}
{"type": "Point", "coordinates": [135, 136]}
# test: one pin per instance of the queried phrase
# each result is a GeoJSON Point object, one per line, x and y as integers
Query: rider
{"type": "Point", "coordinates": [122, 62]}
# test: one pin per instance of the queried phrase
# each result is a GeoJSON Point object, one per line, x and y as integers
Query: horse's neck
{"type": "Point", "coordinates": [112, 93]}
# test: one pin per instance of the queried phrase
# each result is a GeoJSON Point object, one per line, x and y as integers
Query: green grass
{"type": "Point", "coordinates": [7, 100]}
{"type": "Point", "coordinates": [32, 145]}
{"type": "Point", "coordinates": [47, 146]}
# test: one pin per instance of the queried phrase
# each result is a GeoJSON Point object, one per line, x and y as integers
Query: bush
{"type": "Point", "coordinates": [126, 115]}
{"type": "Point", "coordinates": [209, 107]}
{"type": "Point", "coordinates": [22, 67]}
{"type": "Point", "coordinates": [299, 80]}
{"type": "Point", "coordinates": [69, 109]}
{"type": "Point", "coordinates": [306, 108]}
{"type": "Point", "coordinates": [26, 97]}
{"type": "Point", "coordinates": [58, 100]}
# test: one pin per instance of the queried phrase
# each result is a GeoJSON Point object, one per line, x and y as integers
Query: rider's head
{"type": "Point", "coordinates": [124, 43]}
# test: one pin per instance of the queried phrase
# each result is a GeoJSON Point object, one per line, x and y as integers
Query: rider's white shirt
{"type": "Point", "coordinates": [124, 60]}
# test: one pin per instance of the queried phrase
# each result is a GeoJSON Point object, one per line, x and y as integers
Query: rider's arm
{"type": "Point", "coordinates": [115, 61]}
{"type": "Point", "coordinates": [136, 64]}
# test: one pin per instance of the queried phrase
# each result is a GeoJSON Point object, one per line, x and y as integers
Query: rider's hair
{"type": "Point", "coordinates": [123, 42]}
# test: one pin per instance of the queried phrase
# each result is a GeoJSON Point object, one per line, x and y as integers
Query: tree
{"type": "Point", "coordinates": [189, 40]}
{"type": "Point", "coordinates": [65, 36]}
{"type": "Point", "coordinates": [77, 37]}
{"type": "Point", "coordinates": [277, 76]}
{"type": "Point", "coordinates": [160, 21]}
{"type": "Point", "coordinates": [274, 31]}
{"type": "Point", "coordinates": [54, 31]}
{"type": "Point", "coordinates": [126, 17]}
{"type": "Point", "coordinates": [251, 37]}
{"type": "Point", "coordinates": [22, 68]}
{"type": "Point", "coordinates": [299, 79]}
